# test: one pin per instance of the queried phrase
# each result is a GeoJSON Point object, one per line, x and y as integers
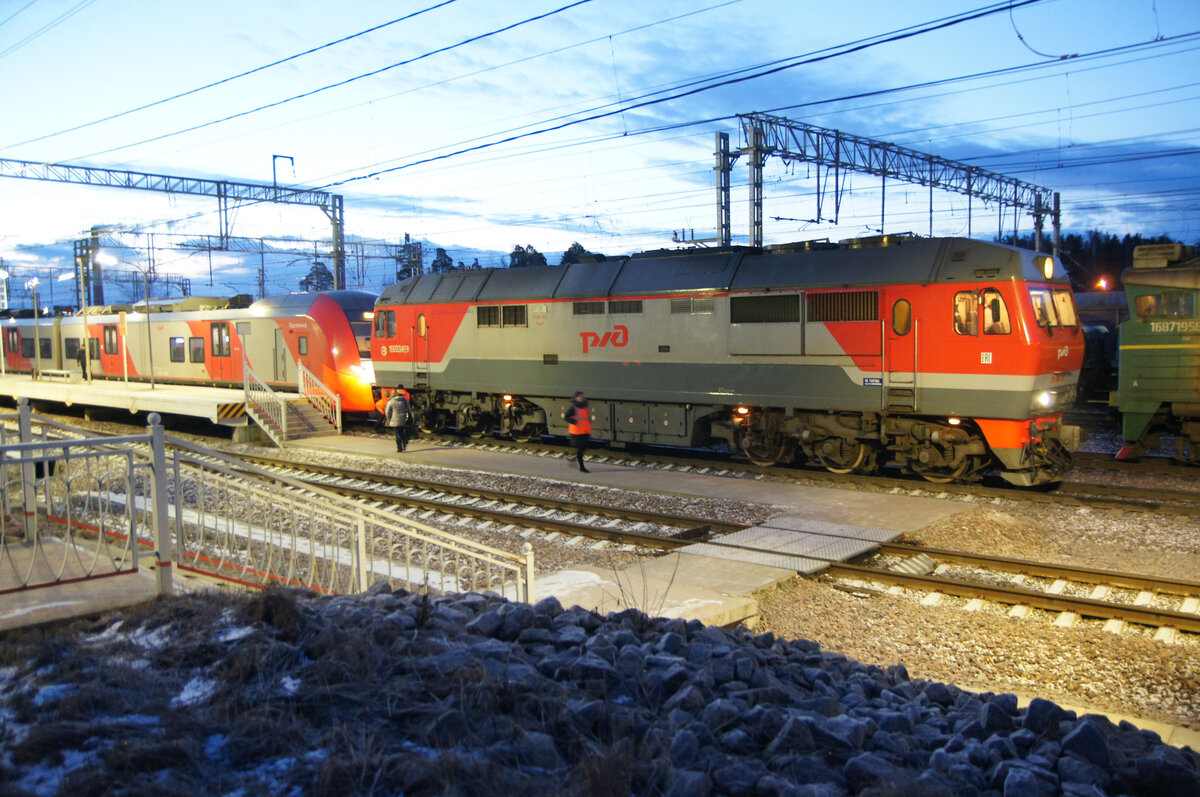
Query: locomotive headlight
{"type": "Point", "coordinates": [1044, 265]}
{"type": "Point", "coordinates": [365, 372]}
{"type": "Point", "coordinates": [1045, 399]}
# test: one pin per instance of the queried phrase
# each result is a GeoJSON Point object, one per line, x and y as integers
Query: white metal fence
{"type": "Point", "coordinates": [110, 499]}
{"type": "Point", "coordinates": [267, 407]}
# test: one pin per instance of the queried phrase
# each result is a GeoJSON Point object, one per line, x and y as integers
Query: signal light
{"type": "Point", "coordinates": [743, 410]}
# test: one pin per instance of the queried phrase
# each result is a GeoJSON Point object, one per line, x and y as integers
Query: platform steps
{"type": "Point", "coordinates": [305, 420]}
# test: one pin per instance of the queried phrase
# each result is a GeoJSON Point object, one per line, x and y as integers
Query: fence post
{"type": "Point", "coordinates": [163, 554]}
{"type": "Point", "coordinates": [527, 549]}
{"type": "Point", "coordinates": [364, 569]}
{"type": "Point", "coordinates": [28, 476]}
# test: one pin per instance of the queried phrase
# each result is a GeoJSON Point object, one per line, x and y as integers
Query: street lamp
{"type": "Point", "coordinates": [106, 259]}
{"type": "Point", "coordinates": [31, 285]}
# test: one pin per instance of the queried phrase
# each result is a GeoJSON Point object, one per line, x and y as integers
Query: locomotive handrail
{"type": "Point", "coordinates": [317, 394]}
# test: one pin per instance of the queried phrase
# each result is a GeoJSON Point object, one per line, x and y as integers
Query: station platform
{"type": "Point", "coordinates": [712, 582]}
{"type": "Point", "coordinates": [219, 405]}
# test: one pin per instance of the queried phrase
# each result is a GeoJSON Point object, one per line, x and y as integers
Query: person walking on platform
{"type": "Point", "coordinates": [397, 416]}
{"type": "Point", "coordinates": [81, 358]}
{"type": "Point", "coordinates": [579, 424]}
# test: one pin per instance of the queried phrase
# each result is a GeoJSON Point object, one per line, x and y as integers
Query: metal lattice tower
{"type": "Point", "coordinates": [837, 153]}
{"type": "Point", "coordinates": [225, 191]}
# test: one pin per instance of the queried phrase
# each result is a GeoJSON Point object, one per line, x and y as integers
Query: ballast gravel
{"type": "Point", "coordinates": [283, 692]}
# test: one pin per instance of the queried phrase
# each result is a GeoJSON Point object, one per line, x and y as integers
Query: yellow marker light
{"type": "Point", "coordinates": [954, 421]}
{"type": "Point", "coordinates": [743, 410]}
{"type": "Point", "coordinates": [1045, 265]}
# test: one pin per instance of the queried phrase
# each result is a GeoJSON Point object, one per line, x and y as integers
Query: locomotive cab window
{"type": "Point", "coordinates": [901, 317]}
{"type": "Point", "coordinates": [509, 315]}
{"type": "Point", "coordinates": [385, 324]}
{"type": "Point", "coordinates": [966, 313]}
{"type": "Point", "coordinates": [1172, 304]}
{"type": "Point", "coordinates": [995, 314]}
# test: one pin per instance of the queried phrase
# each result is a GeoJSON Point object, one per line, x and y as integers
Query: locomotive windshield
{"type": "Point", "coordinates": [1053, 308]}
{"type": "Point", "coordinates": [362, 337]}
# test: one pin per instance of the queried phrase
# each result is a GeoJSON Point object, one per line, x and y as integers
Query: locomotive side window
{"type": "Point", "coordinates": [487, 316]}
{"type": "Point", "coordinates": [901, 317]}
{"type": "Point", "coordinates": [588, 308]}
{"type": "Point", "coordinates": [110, 339]}
{"type": "Point", "coordinates": [625, 306]}
{"type": "Point", "coordinates": [843, 306]}
{"type": "Point", "coordinates": [196, 350]}
{"type": "Point", "coordinates": [176, 350]}
{"type": "Point", "coordinates": [966, 313]}
{"type": "Point", "coordinates": [422, 325]}
{"type": "Point", "coordinates": [995, 313]}
{"type": "Point", "coordinates": [764, 309]}
{"type": "Point", "coordinates": [513, 315]}
{"type": "Point", "coordinates": [1173, 304]}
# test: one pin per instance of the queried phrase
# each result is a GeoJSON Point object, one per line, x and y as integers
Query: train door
{"type": "Point", "coordinates": [221, 363]}
{"type": "Point", "coordinates": [283, 358]}
{"type": "Point", "coordinates": [900, 357]}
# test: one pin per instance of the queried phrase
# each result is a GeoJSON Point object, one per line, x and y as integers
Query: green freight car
{"type": "Point", "coordinates": [1158, 386]}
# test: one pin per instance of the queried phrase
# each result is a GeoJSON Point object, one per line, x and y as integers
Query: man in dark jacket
{"type": "Point", "coordinates": [396, 415]}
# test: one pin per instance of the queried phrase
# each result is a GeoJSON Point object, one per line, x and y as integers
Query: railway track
{"type": "Point", "coordinates": [553, 516]}
{"type": "Point", "coordinates": [1168, 605]}
{"type": "Point", "coordinates": [1141, 498]}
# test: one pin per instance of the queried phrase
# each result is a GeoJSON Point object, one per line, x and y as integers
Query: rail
{"type": "Point", "coordinates": [266, 406]}
{"type": "Point", "coordinates": [103, 502]}
{"type": "Point", "coordinates": [325, 400]}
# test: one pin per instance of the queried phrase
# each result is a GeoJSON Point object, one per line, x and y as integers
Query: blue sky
{"type": "Point", "coordinates": [1107, 112]}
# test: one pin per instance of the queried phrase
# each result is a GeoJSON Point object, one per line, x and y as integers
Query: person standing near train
{"type": "Point", "coordinates": [396, 414]}
{"type": "Point", "coordinates": [579, 424]}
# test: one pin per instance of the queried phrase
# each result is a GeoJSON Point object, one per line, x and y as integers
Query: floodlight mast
{"type": "Point", "coordinates": [768, 135]}
{"type": "Point", "coordinates": [225, 191]}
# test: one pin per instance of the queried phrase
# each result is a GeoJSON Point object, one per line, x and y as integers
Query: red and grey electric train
{"type": "Point", "coordinates": [203, 341]}
{"type": "Point", "coordinates": [946, 357]}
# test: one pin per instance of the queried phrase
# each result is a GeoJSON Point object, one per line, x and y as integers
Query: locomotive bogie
{"type": "Point", "coordinates": [847, 356]}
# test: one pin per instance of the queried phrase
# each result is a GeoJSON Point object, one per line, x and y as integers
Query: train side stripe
{"type": "Point", "coordinates": [1162, 346]}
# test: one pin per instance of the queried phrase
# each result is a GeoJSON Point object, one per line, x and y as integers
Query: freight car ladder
{"type": "Point", "coordinates": [316, 412]}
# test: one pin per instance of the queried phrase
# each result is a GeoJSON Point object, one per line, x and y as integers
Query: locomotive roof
{"type": "Point", "coordinates": [906, 260]}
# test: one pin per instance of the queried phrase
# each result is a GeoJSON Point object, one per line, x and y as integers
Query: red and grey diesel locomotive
{"type": "Point", "coordinates": [205, 341]}
{"type": "Point", "coordinates": [945, 357]}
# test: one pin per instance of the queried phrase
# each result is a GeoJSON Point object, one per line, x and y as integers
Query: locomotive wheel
{"type": "Point", "coordinates": [945, 475]}
{"type": "Point", "coordinates": [765, 456]}
{"type": "Point", "coordinates": [526, 433]}
{"type": "Point", "coordinates": [860, 461]}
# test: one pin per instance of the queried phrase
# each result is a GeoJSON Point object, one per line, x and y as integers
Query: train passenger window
{"type": "Point", "coordinates": [486, 316]}
{"type": "Point", "coordinates": [995, 314]}
{"type": "Point", "coordinates": [47, 348]}
{"type": "Point", "coordinates": [196, 350]}
{"type": "Point", "coordinates": [93, 348]}
{"type": "Point", "coordinates": [177, 350]}
{"type": "Point", "coordinates": [302, 345]}
{"type": "Point", "coordinates": [110, 339]}
{"type": "Point", "coordinates": [1166, 305]}
{"type": "Point", "coordinates": [220, 339]}
{"type": "Point", "coordinates": [70, 348]}
{"type": "Point", "coordinates": [901, 317]}
{"type": "Point", "coordinates": [27, 348]}
{"type": "Point", "coordinates": [966, 313]}
{"type": "Point", "coordinates": [513, 315]}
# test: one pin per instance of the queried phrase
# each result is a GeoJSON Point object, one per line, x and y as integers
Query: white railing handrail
{"type": "Point", "coordinates": [266, 401]}
{"type": "Point", "coordinates": [317, 394]}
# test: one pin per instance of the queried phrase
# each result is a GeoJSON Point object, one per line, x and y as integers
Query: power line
{"type": "Point", "coordinates": [347, 81]}
{"type": "Point", "coordinates": [231, 78]}
{"type": "Point", "coordinates": [49, 26]}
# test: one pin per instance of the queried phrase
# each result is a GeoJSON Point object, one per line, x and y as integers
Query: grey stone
{"type": "Point", "coordinates": [995, 719]}
{"type": "Point", "coordinates": [739, 777]}
{"type": "Point", "coordinates": [869, 769]}
{"type": "Point", "coordinates": [685, 746]}
{"type": "Point", "coordinates": [1041, 715]}
{"type": "Point", "coordinates": [1021, 783]}
{"type": "Point", "coordinates": [688, 783]}
{"type": "Point", "coordinates": [1080, 771]}
{"type": "Point", "coordinates": [1087, 742]}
